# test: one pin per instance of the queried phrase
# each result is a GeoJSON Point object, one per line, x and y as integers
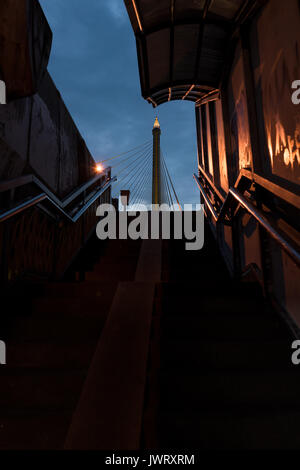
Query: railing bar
{"type": "Point", "coordinates": [42, 197]}
{"type": "Point", "coordinates": [289, 249]}
{"type": "Point", "coordinates": [23, 206]}
{"type": "Point", "coordinates": [24, 180]}
{"type": "Point", "coordinates": [211, 184]}
{"type": "Point", "coordinates": [266, 225]}
{"type": "Point", "coordinates": [208, 203]}
{"type": "Point", "coordinates": [92, 200]}
{"type": "Point", "coordinates": [82, 188]}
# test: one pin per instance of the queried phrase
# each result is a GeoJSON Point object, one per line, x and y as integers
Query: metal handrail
{"type": "Point", "coordinates": [43, 196]}
{"type": "Point", "coordinates": [22, 207]}
{"type": "Point", "coordinates": [256, 213]}
{"type": "Point", "coordinates": [277, 190]}
{"type": "Point", "coordinates": [28, 179]}
{"type": "Point", "coordinates": [206, 199]}
{"type": "Point", "coordinates": [213, 186]}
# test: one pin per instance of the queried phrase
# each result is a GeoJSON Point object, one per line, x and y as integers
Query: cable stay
{"type": "Point", "coordinates": [143, 171]}
{"type": "Point", "coordinates": [169, 180]}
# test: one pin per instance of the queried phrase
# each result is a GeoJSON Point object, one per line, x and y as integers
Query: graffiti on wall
{"type": "Point", "coordinates": [277, 72]}
{"type": "Point", "coordinates": [245, 153]}
{"type": "Point", "coordinates": [286, 147]}
{"type": "Point", "coordinates": [282, 120]}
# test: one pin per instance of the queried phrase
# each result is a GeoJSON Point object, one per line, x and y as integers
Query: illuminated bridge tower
{"type": "Point", "coordinates": [156, 178]}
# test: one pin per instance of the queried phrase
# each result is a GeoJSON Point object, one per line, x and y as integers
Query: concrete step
{"type": "Point", "coordinates": [33, 430]}
{"type": "Point", "coordinates": [35, 388]}
{"type": "Point", "coordinates": [51, 354]}
{"type": "Point", "coordinates": [62, 321]}
{"type": "Point", "coordinates": [220, 390]}
{"type": "Point", "coordinates": [215, 275]}
{"type": "Point", "coordinates": [47, 297]}
{"type": "Point", "coordinates": [208, 303]}
{"type": "Point", "coordinates": [115, 248]}
{"type": "Point", "coordinates": [83, 307]}
{"type": "Point", "coordinates": [227, 289]}
{"type": "Point", "coordinates": [231, 430]}
{"type": "Point", "coordinates": [221, 327]}
{"type": "Point", "coordinates": [104, 290]}
{"type": "Point", "coordinates": [113, 270]}
{"type": "Point", "coordinates": [227, 355]}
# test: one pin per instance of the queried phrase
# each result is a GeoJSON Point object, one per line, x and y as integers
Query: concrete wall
{"type": "Point", "coordinates": [221, 147]}
{"type": "Point", "coordinates": [25, 45]}
{"type": "Point", "coordinates": [268, 145]}
{"type": "Point", "coordinates": [37, 133]}
{"type": "Point", "coordinates": [238, 115]}
{"type": "Point", "coordinates": [275, 50]}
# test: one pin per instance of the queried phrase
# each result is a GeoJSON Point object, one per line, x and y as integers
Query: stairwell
{"type": "Point", "coordinates": [220, 372]}
{"type": "Point", "coordinates": [51, 332]}
{"type": "Point", "coordinates": [190, 360]}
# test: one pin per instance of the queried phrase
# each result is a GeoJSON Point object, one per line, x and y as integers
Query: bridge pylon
{"type": "Point", "coordinates": [156, 178]}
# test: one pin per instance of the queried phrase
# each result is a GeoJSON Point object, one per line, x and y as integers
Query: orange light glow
{"type": "Point", "coordinates": [189, 91]}
{"type": "Point", "coordinates": [137, 15]}
{"type": "Point", "coordinates": [99, 168]}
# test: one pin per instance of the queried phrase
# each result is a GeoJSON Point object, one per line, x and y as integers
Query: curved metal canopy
{"type": "Point", "coordinates": [182, 44]}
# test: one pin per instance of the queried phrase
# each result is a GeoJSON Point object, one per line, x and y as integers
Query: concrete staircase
{"type": "Point", "coordinates": [51, 331]}
{"type": "Point", "coordinates": [220, 372]}
{"type": "Point", "coordinates": [119, 360]}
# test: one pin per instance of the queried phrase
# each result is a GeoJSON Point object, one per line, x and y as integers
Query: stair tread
{"type": "Point", "coordinates": [58, 354]}
{"type": "Point", "coordinates": [181, 390]}
{"type": "Point", "coordinates": [202, 304]}
{"type": "Point", "coordinates": [40, 388]}
{"type": "Point", "coordinates": [227, 288]}
{"type": "Point", "coordinates": [80, 289]}
{"type": "Point", "coordinates": [222, 327]}
{"type": "Point", "coordinates": [40, 430]}
{"type": "Point", "coordinates": [222, 354]}
{"type": "Point", "coordinates": [244, 429]}
{"type": "Point", "coordinates": [45, 329]}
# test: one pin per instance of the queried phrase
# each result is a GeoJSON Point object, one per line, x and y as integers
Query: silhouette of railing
{"type": "Point", "coordinates": [40, 235]}
{"type": "Point", "coordinates": [227, 209]}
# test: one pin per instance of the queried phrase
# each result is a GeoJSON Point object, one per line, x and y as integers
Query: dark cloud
{"type": "Point", "coordinates": [94, 65]}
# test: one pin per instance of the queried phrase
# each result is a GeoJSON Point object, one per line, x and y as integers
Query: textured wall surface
{"type": "Point", "coordinates": [275, 41]}
{"type": "Point", "coordinates": [274, 64]}
{"type": "Point", "coordinates": [25, 44]}
{"type": "Point", "coordinates": [37, 133]}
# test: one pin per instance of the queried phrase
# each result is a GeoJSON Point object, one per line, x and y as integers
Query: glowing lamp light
{"type": "Point", "coordinates": [99, 168]}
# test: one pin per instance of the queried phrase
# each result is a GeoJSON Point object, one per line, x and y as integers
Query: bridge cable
{"type": "Point", "coordinates": [171, 183]}
{"type": "Point", "coordinates": [125, 153]}
{"type": "Point", "coordinates": [142, 187]}
{"type": "Point", "coordinates": [132, 174]}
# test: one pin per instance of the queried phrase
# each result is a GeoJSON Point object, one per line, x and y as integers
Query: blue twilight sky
{"type": "Point", "coordinates": [94, 65]}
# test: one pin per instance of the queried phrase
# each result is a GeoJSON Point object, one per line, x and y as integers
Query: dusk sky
{"type": "Point", "coordinates": [94, 65]}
